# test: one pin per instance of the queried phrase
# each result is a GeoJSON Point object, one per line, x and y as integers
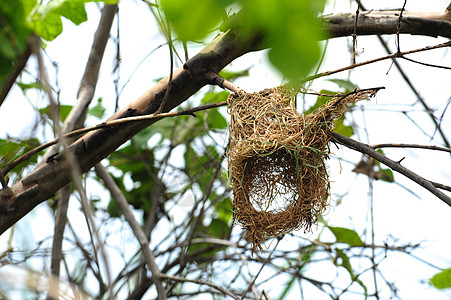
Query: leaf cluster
{"type": "Point", "coordinates": [290, 28]}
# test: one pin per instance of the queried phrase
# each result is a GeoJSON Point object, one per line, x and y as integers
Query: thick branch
{"type": "Point", "coordinates": [386, 22]}
{"type": "Point", "coordinates": [396, 166]}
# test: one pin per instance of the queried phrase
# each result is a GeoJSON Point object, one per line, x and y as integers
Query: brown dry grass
{"type": "Point", "coordinates": [276, 161]}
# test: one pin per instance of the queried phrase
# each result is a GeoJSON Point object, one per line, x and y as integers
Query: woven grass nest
{"type": "Point", "coordinates": [276, 161]}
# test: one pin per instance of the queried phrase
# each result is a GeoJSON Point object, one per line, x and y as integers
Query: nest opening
{"type": "Point", "coordinates": [269, 182]}
{"type": "Point", "coordinates": [276, 161]}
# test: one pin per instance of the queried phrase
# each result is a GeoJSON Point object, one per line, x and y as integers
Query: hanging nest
{"type": "Point", "coordinates": [276, 161]}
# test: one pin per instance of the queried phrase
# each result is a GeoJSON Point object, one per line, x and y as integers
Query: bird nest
{"type": "Point", "coordinates": [276, 161]}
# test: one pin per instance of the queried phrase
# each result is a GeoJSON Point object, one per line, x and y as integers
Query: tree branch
{"type": "Point", "coordinates": [396, 166]}
{"type": "Point", "coordinates": [386, 22]}
{"type": "Point", "coordinates": [429, 147]}
{"type": "Point", "coordinates": [89, 150]}
{"type": "Point", "coordinates": [197, 281]}
{"type": "Point", "coordinates": [137, 230]}
{"type": "Point", "coordinates": [74, 120]}
{"type": "Point", "coordinates": [109, 124]}
{"type": "Point", "coordinates": [88, 84]}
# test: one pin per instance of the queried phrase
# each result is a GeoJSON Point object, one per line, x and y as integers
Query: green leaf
{"type": "Point", "coordinates": [214, 97]}
{"type": "Point", "coordinates": [442, 280]}
{"type": "Point", "coordinates": [320, 101]}
{"type": "Point", "coordinates": [181, 129]}
{"type": "Point", "coordinates": [140, 164]}
{"type": "Point", "coordinates": [287, 288]}
{"type": "Point", "coordinates": [347, 236]}
{"type": "Point", "coordinates": [343, 129]}
{"type": "Point", "coordinates": [10, 150]}
{"type": "Point", "coordinates": [72, 10]}
{"type": "Point", "coordinates": [347, 85]}
{"type": "Point", "coordinates": [291, 28]}
{"type": "Point", "coordinates": [64, 111]}
{"type": "Point", "coordinates": [380, 151]}
{"type": "Point", "coordinates": [193, 20]}
{"type": "Point", "coordinates": [113, 209]}
{"type": "Point", "coordinates": [219, 228]}
{"type": "Point", "coordinates": [346, 263]}
{"type": "Point", "coordinates": [224, 210]}
{"type": "Point", "coordinates": [386, 175]}
{"type": "Point", "coordinates": [98, 110]}
{"type": "Point", "coordinates": [32, 85]}
{"type": "Point", "coordinates": [216, 120]}
{"type": "Point", "coordinates": [164, 126]}
{"type": "Point", "coordinates": [188, 129]}
{"type": "Point", "coordinates": [14, 34]}
{"type": "Point", "coordinates": [233, 75]}
{"type": "Point", "coordinates": [46, 21]}
{"type": "Point", "coordinates": [291, 31]}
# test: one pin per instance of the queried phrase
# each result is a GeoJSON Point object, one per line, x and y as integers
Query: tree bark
{"type": "Point", "coordinates": [42, 183]}
{"type": "Point", "coordinates": [386, 22]}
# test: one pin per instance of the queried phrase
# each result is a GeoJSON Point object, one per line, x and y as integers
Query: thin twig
{"type": "Point", "coordinates": [441, 186]}
{"type": "Point", "coordinates": [89, 215]}
{"type": "Point", "coordinates": [217, 287]}
{"type": "Point", "coordinates": [354, 34]}
{"type": "Point", "coordinates": [137, 230]}
{"type": "Point", "coordinates": [216, 79]}
{"type": "Point", "coordinates": [403, 74]}
{"type": "Point", "coordinates": [20, 64]}
{"type": "Point", "coordinates": [327, 73]}
{"type": "Point", "coordinates": [429, 147]}
{"type": "Point", "coordinates": [279, 238]}
{"type": "Point", "coordinates": [396, 166]}
{"type": "Point", "coordinates": [189, 111]}
{"type": "Point", "coordinates": [108, 124]}
{"type": "Point", "coordinates": [58, 232]}
{"type": "Point", "coordinates": [171, 70]}
{"type": "Point", "coordinates": [398, 27]}
{"type": "Point", "coordinates": [426, 64]}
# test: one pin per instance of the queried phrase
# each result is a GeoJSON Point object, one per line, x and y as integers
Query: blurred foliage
{"type": "Point", "coordinates": [442, 280]}
{"type": "Point", "coordinates": [21, 18]}
{"type": "Point", "coordinates": [290, 28]}
{"type": "Point", "coordinates": [11, 149]}
{"type": "Point", "coordinates": [45, 19]}
{"type": "Point", "coordinates": [13, 36]}
{"type": "Point", "coordinates": [63, 111]}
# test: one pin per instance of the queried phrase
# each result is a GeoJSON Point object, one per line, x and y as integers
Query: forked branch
{"type": "Point", "coordinates": [396, 166]}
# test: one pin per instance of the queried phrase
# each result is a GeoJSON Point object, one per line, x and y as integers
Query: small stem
{"type": "Point", "coordinates": [216, 79]}
{"type": "Point", "coordinates": [429, 147]}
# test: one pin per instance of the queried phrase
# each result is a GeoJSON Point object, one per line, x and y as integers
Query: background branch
{"type": "Point", "coordinates": [386, 22]}
{"type": "Point", "coordinates": [417, 146]}
{"type": "Point", "coordinates": [396, 166]}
